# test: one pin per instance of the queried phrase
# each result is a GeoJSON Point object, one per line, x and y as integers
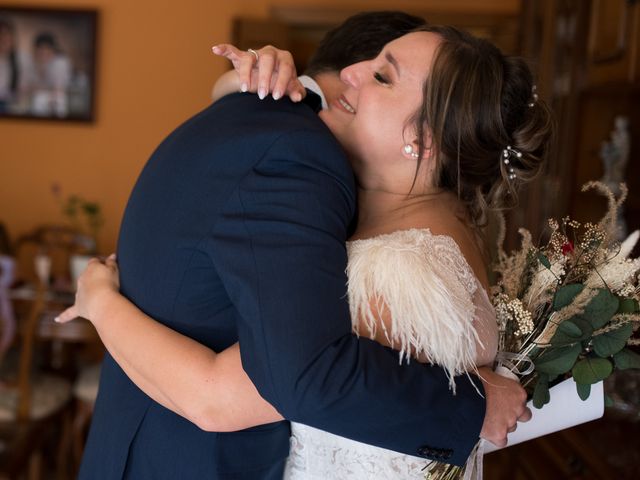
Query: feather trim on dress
{"type": "Point", "coordinates": [437, 324]}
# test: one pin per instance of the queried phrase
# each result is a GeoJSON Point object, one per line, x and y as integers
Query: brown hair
{"type": "Point", "coordinates": [476, 102]}
{"type": "Point", "coordinates": [360, 37]}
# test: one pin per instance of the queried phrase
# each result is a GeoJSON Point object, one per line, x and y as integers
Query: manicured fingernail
{"type": "Point", "coordinates": [296, 97]}
{"type": "Point", "coordinates": [244, 87]}
{"type": "Point", "coordinates": [262, 92]}
{"type": "Point", "coordinates": [215, 49]}
{"type": "Point", "coordinates": [276, 95]}
{"type": "Point", "coordinates": [57, 319]}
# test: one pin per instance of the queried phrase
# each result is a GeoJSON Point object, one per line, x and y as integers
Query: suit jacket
{"type": "Point", "coordinates": [236, 230]}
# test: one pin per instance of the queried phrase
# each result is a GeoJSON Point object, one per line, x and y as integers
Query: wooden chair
{"type": "Point", "coordinates": [35, 406]}
{"type": "Point", "coordinates": [7, 276]}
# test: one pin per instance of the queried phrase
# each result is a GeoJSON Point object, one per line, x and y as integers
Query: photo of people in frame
{"type": "Point", "coordinates": [47, 63]}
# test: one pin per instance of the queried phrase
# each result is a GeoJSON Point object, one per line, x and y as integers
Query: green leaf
{"type": "Point", "coordinates": [626, 358]}
{"type": "Point", "coordinates": [571, 331]}
{"type": "Point", "coordinates": [584, 390]}
{"type": "Point", "coordinates": [584, 325]}
{"type": "Point", "coordinates": [565, 295]}
{"type": "Point", "coordinates": [612, 342]}
{"type": "Point", "coordinates": [570, 328]}
{"type": "Point", "coordinates": [542, 258]}
{"type": "Point", "coordinates": [628, 305]}
{"type": "Point", "coordinates": [541, 394]}
{"type": "Point", "coordinates": [608, 401]}
{"type": "Point", "coordinates": [601, 308]}
{"type": "Point", "coordinates": [555, 361]}
{"type": "Point", "coordinates": [591, 370]}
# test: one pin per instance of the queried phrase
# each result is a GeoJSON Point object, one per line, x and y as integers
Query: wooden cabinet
{"type": "Point", "coordinates": [587, 52]}
{"type": "Point", "coordinates": [613, 42]}
{"type": "Point", "coordinates": [300, 29]}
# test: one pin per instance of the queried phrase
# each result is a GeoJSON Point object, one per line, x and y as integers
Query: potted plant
{"type": "Point", "coordinates": [85, 217]}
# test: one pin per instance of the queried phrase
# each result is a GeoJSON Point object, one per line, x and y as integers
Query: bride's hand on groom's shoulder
{"type": "Point", "coordinates": [264, 71]}
{"type": "Point", "coordinates": [99, 281]}
{"type": "Point", "coordinates": [505, 406]}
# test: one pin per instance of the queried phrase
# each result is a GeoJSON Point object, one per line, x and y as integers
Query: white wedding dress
{"type": "Point", "coordinates": [439, 312]}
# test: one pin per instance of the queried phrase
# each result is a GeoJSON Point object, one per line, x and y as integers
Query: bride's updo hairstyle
{"type": "Point", "coordinates": [483, 122]}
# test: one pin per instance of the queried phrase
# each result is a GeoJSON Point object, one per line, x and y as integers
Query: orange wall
{"type": "Point", "coordinates": [155, 70]}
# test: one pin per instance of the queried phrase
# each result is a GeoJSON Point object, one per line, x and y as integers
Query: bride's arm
{"type": "Point", "coordinates": [274, 73]}
{"type": "Point", "coordinates": [211, 390]}
{"type": "Point", "coordinates": [442, 318]}
{"type": "Point", "coordinates": [484, 323]}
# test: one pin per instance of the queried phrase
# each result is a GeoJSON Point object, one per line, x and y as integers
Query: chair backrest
{"type": "Point", "coordinates": [7, 317]}
{"type": "Point", "coordinates": [59, 244]}
{"type": "Point", "coordinates": [7, 277]}
{"type": "Point", "coordinates": [39, 326]}
{"type": "Point", "coordinates": [26, 355]}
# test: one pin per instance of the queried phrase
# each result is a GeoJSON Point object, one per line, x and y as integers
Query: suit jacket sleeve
{"type": "Point", "coordinates": [279, 247]}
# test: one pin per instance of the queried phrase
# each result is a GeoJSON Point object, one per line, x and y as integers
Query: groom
{"type": "Point", "coordinates": [236, 230]}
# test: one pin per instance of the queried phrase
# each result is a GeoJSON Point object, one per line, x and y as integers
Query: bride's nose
{"type": "Point", "coordinates": [352, 75]}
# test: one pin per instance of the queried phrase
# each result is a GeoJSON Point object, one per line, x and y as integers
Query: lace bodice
{"type": "Point", "coordinates": [438, 310]}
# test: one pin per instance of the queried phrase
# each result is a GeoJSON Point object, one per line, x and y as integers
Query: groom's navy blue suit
{"type": "Point", "coordinates": [236, 230]}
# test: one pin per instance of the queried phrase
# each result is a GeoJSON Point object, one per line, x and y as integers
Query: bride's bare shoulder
{"type": "Point", "coordinates": [447, 217]}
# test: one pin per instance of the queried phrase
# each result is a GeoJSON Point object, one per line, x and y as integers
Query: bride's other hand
{"type": "Point", "coordinates": [506, 406]}
{"type": "Point", "coordinates": [99, 282]}
{"type": "Point", "coordinates": [269, 70]}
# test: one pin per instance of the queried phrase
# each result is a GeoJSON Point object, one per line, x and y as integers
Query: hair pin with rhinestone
{"type": "Point", "coordinates": [507, 153]}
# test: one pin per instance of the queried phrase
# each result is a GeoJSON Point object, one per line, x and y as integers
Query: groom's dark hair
{"type": "Point", "coordinates": [360, 37]}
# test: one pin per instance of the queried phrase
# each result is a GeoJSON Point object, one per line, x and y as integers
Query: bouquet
{"type": "Point", "coordinates": [570, 306]}
{"type": "Point", "coordinates": [566, 308]}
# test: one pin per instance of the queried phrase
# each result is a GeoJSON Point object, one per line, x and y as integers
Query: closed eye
{"type": "Point", "coordinates": [381, 79]}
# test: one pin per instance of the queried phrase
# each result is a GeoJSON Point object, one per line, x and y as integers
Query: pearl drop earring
{"type": "Point", "coordinates": [408, 149]}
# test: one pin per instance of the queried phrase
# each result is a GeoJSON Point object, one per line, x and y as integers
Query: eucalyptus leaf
{"type": "Point", "coordinates": [591, 370]}
{"type": "Point", "coordinates": [558, 360]}
{"type": "Point", "coordinates": [565, 295]}
{"type": "Point", "coordinates": [544, 260]}
{"type": "Point", "coordinates": [541, 394]}
{"type": "Point", "coordinates": [584, 390]}
{"type": "Point", "coordinates": [571, 331]}
{"type": "Point", "coordinates": [612, 342]}
{"type": "Point", "coordinates": [628, 305]}
{"type": "Point", "coordinates": [626, 358]}
{"type": "Point", "coordinates": [584, 325]}
{"type": "Point", "coordinates": [570, 328]}
{"type": "Point", "coordinates": [601, 308]}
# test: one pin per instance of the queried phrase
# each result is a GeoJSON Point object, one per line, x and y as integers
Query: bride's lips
{"type": "Point", "coordinates": [344, 105]}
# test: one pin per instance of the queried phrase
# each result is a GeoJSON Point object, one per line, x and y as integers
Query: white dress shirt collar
{"type": "Point", "coordinates": [312, 85]}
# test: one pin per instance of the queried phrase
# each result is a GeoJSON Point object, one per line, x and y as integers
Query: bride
{"type": "Point", "coordinates": [440, 128]}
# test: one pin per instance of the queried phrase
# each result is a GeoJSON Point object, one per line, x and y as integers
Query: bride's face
{"type": "Point", "coordinates": [371, 117]}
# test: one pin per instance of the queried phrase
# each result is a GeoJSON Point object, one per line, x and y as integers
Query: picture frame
{"type": "Point", "coordinates": [48, 63]}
